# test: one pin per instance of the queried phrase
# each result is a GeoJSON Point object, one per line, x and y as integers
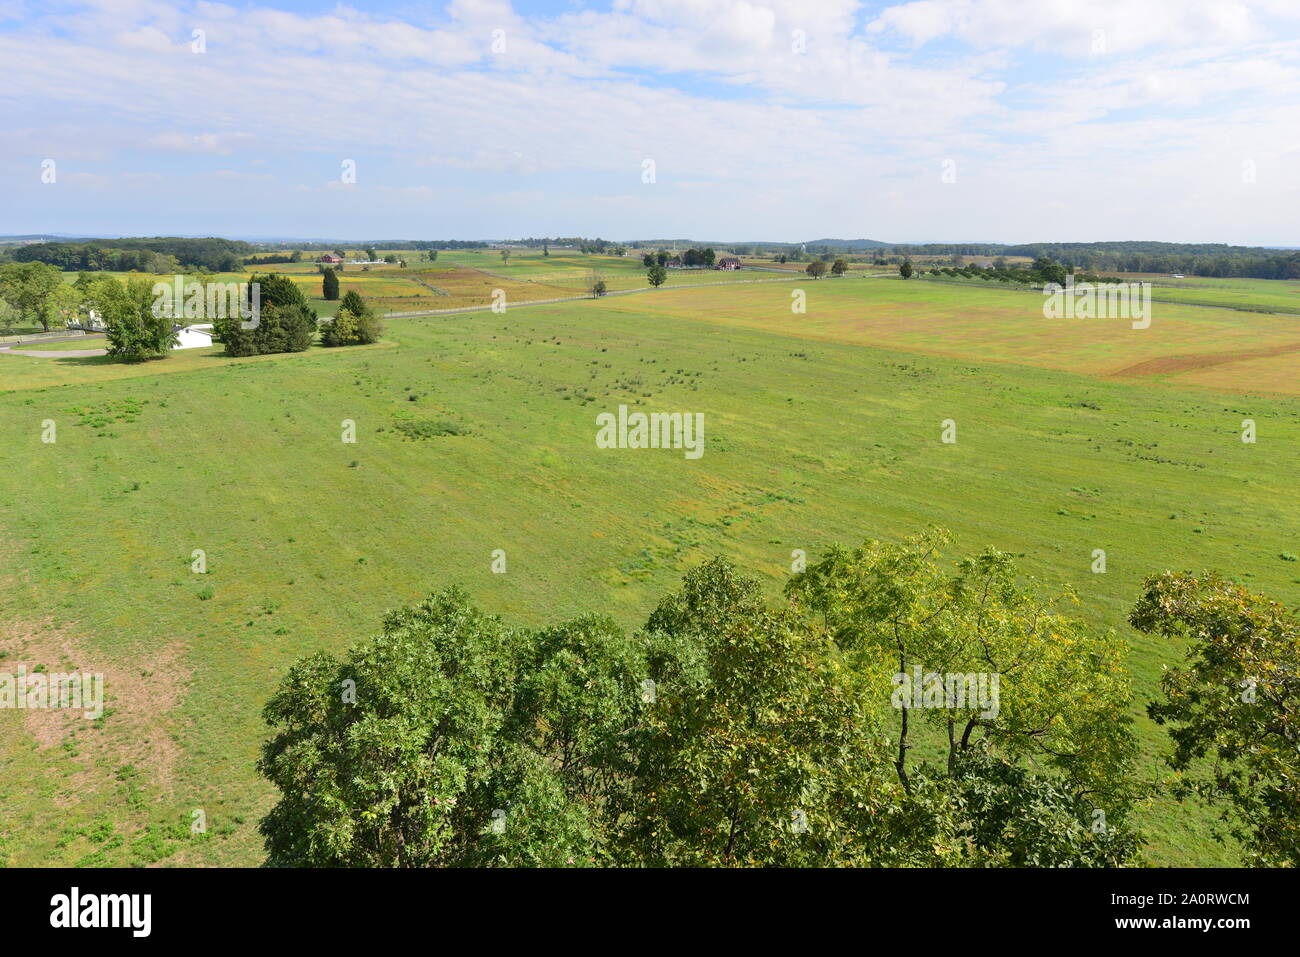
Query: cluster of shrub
{"type": "Point", "coordinates": [1038, 273]}
{"type": "Point", "coordinates": [692, 257]}
{"type": "Point", "coordinates": [287, 324]}
{"type": "Point", "coordinates": [356, 323]}
{"type": "Point", "coordinates": [137, 330]}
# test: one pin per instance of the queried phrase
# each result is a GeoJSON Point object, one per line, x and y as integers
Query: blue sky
{"type": "Point", "coordinates": [940, 120]}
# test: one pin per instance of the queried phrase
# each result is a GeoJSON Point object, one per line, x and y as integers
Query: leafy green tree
{"type": "Point", "coordinates": [29, 287]}
{"type": "Point", "coordinates": [1007, 815]}
{"type": "Point", "coordinates": [356, 323]}
{"type": "Point", "coordinates": [656, 275]}
{"type": "Point", "coordinates": [450, 740]}
{"type": "Point", "coordinates": [353, 302]}
{"type": "Point", "coordinates": [577, 694]}
{"type": "Point", "coordinates": [905, 270]}
{"type": "Point", "coordinates": [277, 289]}
{"type": "Point", "coordinates": [133, 330]}
{"type": "Point", "coordinates": [1234, 707]}
{"type": "Point", "coordinates": [278, 329]}
{"type": "Point", "coordinates": [330, 285]}
{"type": "Point", "coordinates": [756, 748]}
{"type": "Point", "coordinates": [816, 269]}
{"type": "Point", "coordinates": [648, 260]}
{"type": "Point", "coordinates": [341, 330]}
{"type": "Point", "coordinates": [372, 755]}
{"type": "Point", "coordinates": [839, 267]}
{"type": "Point", "coordinates": [370, 328]}
{"type": "Point", "coordinates": [285, 324]}
{"type": "Point", "coordinates": [726, 733]}
{"type": "Point", "coordinates": [65, 304]}
{"type": "Point", "coordinates": [371, 255]}
{"type": "Point", "coordinates": [1044, 270]}
{"type": "Point", "coordinates": [1063, 693]}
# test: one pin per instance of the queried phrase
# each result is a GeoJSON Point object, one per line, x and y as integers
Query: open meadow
{"type": "Point", "coordinates": [819, 427]}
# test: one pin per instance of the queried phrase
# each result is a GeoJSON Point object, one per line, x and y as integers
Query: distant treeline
{"type": "Point", "coordinates": [382, 244]}
{"type": "Point", "coordinates": [1193, 259]}
{"type": "Point", "coordinates": [164, 254]}
{"type": "Point", "coordinates": [158, 255]}
{"type": "Point", "coordinates": [170, 254]}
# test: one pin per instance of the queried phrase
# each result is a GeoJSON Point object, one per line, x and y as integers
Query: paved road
{"type": "Point", "coordinates": [16, 348]}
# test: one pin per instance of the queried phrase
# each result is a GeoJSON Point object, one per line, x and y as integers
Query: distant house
{"type": "Point", "coordinates": [92, 323]}
{"type": "Point", "coordinates": [193, 337]}
{"type": "Point", "coordinates": [674, 263]}
{"type": "Point", "coordinates": [728, 262]}
{"type": "Point", "coordinates": [331, 258]}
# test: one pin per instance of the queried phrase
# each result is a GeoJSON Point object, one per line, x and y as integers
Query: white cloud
{"type": "Point", "coordinates": [215, 143]}
{"type": "Point", "coordinates": [751, 134]}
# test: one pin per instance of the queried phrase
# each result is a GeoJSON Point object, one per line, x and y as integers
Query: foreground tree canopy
{"type": "Point", "coordinates": [1234, 709]}
{"type": "Point", "coordinates": [727, 732]}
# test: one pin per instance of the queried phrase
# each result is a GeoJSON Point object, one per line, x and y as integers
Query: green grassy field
{"type": "Point", "coordinates": [1265, 295]}
{"type": "Point", "coordinates": [818, 427]}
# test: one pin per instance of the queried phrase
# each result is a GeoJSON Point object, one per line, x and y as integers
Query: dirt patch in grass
{"type": "Point", "coordinates": [1172, 365]}
{"type": "Point", "coordinates": [137, 726]}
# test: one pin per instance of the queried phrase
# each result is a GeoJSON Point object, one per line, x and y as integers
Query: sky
{"type": "Point", "coordinates": [724, 120]}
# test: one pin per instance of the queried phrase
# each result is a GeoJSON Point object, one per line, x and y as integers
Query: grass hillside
{"type": "Point", "coordinates": [818, 427]}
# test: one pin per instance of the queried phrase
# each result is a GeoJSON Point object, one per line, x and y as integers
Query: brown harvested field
{"type": "Point", "coordinates": [1173, 365]}
{"type": "Point", "coordinates": [454, 288]}
{"type": "Point", "coordinates": [1278, 372]}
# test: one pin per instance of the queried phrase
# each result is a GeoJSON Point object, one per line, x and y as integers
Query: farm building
{"type": "Point", "coordinates": [91, 323]}
{"type": "Point", "coordinates": [194, 337]}
{"type": "Point", "coordinates": [728, 262]}
{"type": "Point", "coordinates": [331, 258]}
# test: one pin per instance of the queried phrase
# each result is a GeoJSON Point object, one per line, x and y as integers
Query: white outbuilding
{"type": "Point", "coordinates": [194, 337]}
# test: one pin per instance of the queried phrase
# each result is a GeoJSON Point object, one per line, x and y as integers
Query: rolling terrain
{"type": "Point", "coordinates": [819, 427]}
